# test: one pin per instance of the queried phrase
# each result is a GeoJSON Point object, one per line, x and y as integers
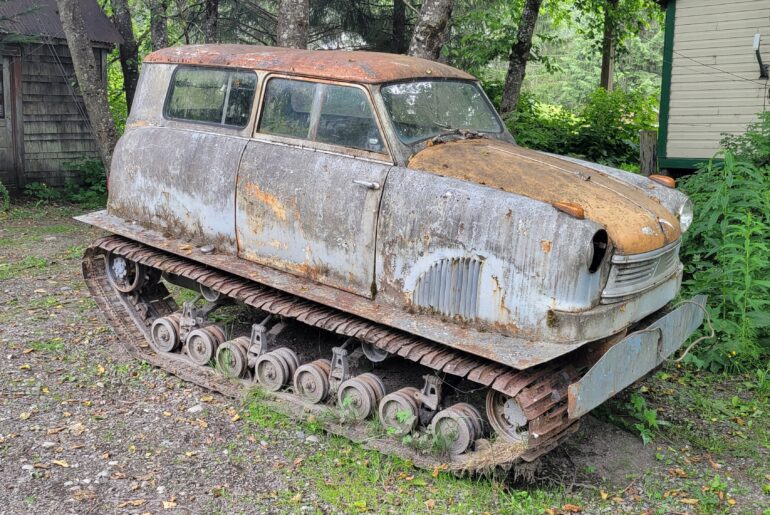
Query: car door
{"type": "Point", "coordinates": [310, 183]}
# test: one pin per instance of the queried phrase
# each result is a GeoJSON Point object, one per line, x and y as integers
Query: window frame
{"type": "Point", "coordinates": [170, 91]}
{"type": "Point", "coordinates": [385, 156]}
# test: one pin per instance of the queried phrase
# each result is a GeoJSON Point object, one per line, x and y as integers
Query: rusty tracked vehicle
{"type": "Point", "coordinates": [460, 286]}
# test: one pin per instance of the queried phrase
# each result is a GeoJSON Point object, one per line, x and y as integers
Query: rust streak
{"type": "Point", "coordinates": [270, 200]}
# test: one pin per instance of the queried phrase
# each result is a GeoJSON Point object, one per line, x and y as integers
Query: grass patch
{"type": "Point", "coordinates": [13, 270]}
{"type": "Point", "coordinates": [52, 345]}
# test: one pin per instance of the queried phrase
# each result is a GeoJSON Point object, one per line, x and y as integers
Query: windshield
{"type": "Point", "coordinates": [423, 109]}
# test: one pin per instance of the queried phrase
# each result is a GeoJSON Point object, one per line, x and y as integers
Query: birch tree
{"type": "Point", "coordinates": [293, 23]}
{"type": "Point", "coordinates": [430, 32]}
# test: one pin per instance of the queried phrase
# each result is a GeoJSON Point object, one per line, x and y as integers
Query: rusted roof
{"type": "Point", "coordinates": [41, 18]}
{"type": "Point", "coordinates": [363, 67]}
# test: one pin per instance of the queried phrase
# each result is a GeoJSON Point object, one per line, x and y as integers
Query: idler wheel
{"type": "Point", "coordinates": [274, 369]}
{"type": "Point", "coordinates": [506, 417]}
{"type": "Point", "coordinates": [311, 380]}
{"type": "Point", "coordinates": [165, 333]}
{"type": "Point", "coordinates": [374, 354]}
{"type": "Point", "coordinates": [124, 275]}
{"type": "Point", "coordinates": [361, 394]}
{"type": "Point", "coordinates": [457, 425]}
{"type": "Point", "coordinates": [231, 357]}
{"type": "Point", "coordinates": [399, 411]}
{"type": "Point", "coordinates": [202, 344]}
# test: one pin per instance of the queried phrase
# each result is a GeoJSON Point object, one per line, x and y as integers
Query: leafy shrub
{"type": "Point", "coordinates": [5, 198]}
{"type": "Point", "coordinates": [611, 124]}
{"type": "Point", "coordinates": [605, 131]}
{"type": "Point", "coordinates": [42, 192]}
{"type": "Point", "coordinates": [88, 188]}
{"type": "Point", "coordinates": [727, 256]}
{"type": "Point", "coordinates": [754, 144]}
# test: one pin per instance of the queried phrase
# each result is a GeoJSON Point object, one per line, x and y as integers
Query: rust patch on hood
{"type": "Point", "coordinates": [634, 220]}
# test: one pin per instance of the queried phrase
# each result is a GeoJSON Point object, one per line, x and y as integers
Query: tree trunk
{"type": "Point", "coordinates": [398, 42]}
{"type": "Point", "coordinates": [428, 37]}
{"type": "Point", "coordinates": [89, 78]}
{"type": "Point", "coordinates": [158, 28]}
{"type": "Point", "coordinates": [210, 19]}
{"type": "Point", "coordinates": [293, 23]}
{"type": "Point", "coordinates": [608, 46]}
{"type": "Point", "coordinates": [520, 52]}
{"type": "Point", "coordinates": [129, 50]}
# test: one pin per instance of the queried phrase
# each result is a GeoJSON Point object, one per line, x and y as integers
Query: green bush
{"type": "Point", "coordinates": [727, 256]}
{"type": "Point", "coordinates": [754, 144]}
{"type": "Point", "coordinates": [605, 131]}
{"type": "Point", "coordinates": [88, 188]}
{"type": "Point", "coordinates": [5, 198]}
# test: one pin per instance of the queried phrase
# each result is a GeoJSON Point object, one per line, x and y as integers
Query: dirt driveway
{"type": "Point", "coordinates": [84, 429]}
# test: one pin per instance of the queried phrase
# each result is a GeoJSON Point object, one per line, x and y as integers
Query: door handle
{"type": "Point", "coordinates": [368, 184]}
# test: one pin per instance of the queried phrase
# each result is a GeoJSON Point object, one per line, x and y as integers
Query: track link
{"type": "Point", "coordinates": [541, 391]}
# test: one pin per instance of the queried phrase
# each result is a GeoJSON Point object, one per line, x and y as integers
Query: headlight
{"type": "Point", "coordinates": [685, 215]}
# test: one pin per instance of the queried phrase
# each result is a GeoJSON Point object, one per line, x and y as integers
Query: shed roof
{"type": "Point", "coordinates": [362, 67]}
{"type": "Point", "coordinates": [41, 18]}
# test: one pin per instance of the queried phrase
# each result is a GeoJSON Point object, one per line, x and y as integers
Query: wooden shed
{"type": "Point", "coordinates": [43, 122]}
{"type": "Point", "coordinates": [712, 80]}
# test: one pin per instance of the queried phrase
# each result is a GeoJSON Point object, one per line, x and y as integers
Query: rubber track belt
{"type": "Point", "coordinates": [540, 391]}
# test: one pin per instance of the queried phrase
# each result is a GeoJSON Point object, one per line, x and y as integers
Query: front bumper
{"type": "Point", "coordinates": [633, 357]}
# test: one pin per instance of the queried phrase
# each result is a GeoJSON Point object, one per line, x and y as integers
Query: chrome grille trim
{"type": "Point", "coordinates": [450, 287]}
{"type": "Point", "coordinates": [634, 274]}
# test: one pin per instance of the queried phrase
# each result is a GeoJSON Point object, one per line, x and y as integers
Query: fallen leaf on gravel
{"type": "Point", "coordinates": [617, 499]}
{"type": "Point", "coordinates": [40, 466]}
{"type": "Point", "coordinates": [691, 502]}
{"type": "Point", "coordinates": [24, 367]}
{"type": "Point", "coordinates": [571, 508]}
{"type": "Point", "coordinates": [27, 351]}
{"type": "Point", "coordinates": [133, 502]}
{"type": "Point", "coordinates": [603, 495]}
{"type": "Point", "coordinates": [677, 472]}
{"type": "Point", "coordinates": [100, 370]}
{"type": "Point", "coordinates": [166, 413]}
{"type": "Point", "coordinates": [45, 390]}
{"type": "Point", "coordinates": [190, 454]}
{"type": "Point", "coordinates": [438, 468]}
{"type": "Point", "coordinates": [77, 429]}
{"type": "Point", "coordinates": [87, 404]}
{"type": "Point", "coordinates": [171, 503]}
{"type": "Point", "coordinates": [207, 398]}
{"type": "Point", "coordinates": [118, 475]}
{"type": "Point", "coordinates": [25, 415]}
{"type": "Point", "coordinates": [84, 495]}
{"type": "Point", "coordinates": [66, 414]}
{"type": "Point", "coordinates": [40, 290]}
{"type": "Point", "coordinates": [297, 498]}
{"type": "Point", "coordinates": [201, 423]}
{"type": "Point", "coordinates": [731, 502]}
{"type": "Point", "coordinates": [235, 418]}
{"type": "Point", "coordinates": [430, 504]}
{"type": "Point", "coordinates": [61, 463]}
{"type": "Point", "coordinates": [105, 455]}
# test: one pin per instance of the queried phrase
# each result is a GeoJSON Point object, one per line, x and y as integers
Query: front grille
{"type": "Point", "coordinates": [450, 287]}
{"type": "Point", "coordinates": [630, 275]}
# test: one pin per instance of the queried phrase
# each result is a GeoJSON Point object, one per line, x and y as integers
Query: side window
{"type": "Point", "coordinates": [338, 115]}
{"type": "Point", "coordinates": [347, 120]}
{"type": "Point", "coordinates": [222, 97]}
{"type": "Point", "coordinates": [287, 106]}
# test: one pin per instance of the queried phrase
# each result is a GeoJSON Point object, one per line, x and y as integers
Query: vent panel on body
{"type": "Point", "coordinates": [450, 287]}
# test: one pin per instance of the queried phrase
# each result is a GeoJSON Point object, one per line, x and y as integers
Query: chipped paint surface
{"type": "Point", "coordinates": [635, 222]}
{"type": "Point", "coordinates": [360, 67]}
{"type": "Point", "coordinates": [308, 201]}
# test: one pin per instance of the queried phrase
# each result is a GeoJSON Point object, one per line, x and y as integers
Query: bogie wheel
{"type": "Point", "coordinates": [124, 275]}
{"type": "Point", "coordinates": [399, 411]}
{"type": "Point", "coordinates": [360, 395]}
{"type": "Point", "coordinates": [506, 417]}
{"type": "Point", "coordinates": [275, 369]}
{"type": "Point", "coordinates": [374, 354]}
{"type": "Point", "coordinates": [311, 380]}
{"type": "Point", "coordinates": [165, 333]}
{"type": "Point", "coordinates": [202, 344]}
{"type": "Point", "coordinates": [455, 427]}
{"type": "Point", "coordinates": [231, 357]}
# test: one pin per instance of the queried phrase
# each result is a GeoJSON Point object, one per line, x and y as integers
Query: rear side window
{"type": "Point", "coordinates": [338, 115]}
{"type": "Point", "coordinates": [223, 97]}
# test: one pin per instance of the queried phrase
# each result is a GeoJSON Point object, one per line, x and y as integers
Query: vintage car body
{"type": "Point", "coordinates": [464, 239]}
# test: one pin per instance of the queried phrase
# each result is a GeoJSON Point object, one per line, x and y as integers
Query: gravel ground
{"type": "Point", "coordinates": [85, 429]}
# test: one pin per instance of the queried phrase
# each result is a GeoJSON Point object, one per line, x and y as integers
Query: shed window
{"type": "Point", "coordinates": [223, 97]}
{"type": "Point", "coordinates": [338, 115]}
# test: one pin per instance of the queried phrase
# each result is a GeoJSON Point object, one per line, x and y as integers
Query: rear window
{"type": "Point", "coordinates": [337, 115]}
{"type": "Point", "coordinates": [222, 97]}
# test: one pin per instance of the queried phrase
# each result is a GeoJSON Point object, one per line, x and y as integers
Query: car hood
{"type": "Point", "coordinates": [635, 221]}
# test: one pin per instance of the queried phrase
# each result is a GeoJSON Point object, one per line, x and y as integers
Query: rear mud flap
{"type": "Point", "coordinates": [635, 356]}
